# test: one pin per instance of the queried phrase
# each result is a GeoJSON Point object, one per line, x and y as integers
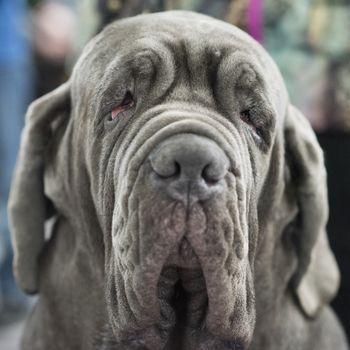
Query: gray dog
{"type": "Point", "coordinates": [188, 197]}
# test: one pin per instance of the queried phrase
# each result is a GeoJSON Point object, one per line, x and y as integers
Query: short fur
{"type": "Point", "coordinates": [265, 272]}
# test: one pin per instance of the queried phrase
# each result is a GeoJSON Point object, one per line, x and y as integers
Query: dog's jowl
{"type": "Point", "coordinates": [188, 197]}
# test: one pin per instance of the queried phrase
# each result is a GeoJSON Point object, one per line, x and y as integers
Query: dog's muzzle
{"type": "Point", "coordinates": [189, 169]}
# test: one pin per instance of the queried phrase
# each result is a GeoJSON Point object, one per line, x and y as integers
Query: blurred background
{"type": "Point", "coordinates": [309, 40]}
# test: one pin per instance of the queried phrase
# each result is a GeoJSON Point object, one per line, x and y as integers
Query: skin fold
{"type": "Point", "coordinates": [187, 199]}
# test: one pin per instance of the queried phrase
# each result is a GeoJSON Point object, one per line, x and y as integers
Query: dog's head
{"type": "Point", "coordinates": [173, 149]}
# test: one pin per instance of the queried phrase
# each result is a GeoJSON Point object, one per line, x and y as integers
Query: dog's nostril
{"type": "Point", "coordinates": [208, 177]}
{"type": "Point", "coordinates": [165, 168]}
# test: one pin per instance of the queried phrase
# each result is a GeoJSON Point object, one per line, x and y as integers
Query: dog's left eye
{"type": "Point", "coordinates": [127, 103]}
{"type": "Point", "coordinates": [246, 116]}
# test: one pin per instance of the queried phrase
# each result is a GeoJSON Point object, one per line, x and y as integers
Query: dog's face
{"type": "Point", "coordinates": [178, 131]}
{"type": "Point", "coordinates": [180, 127]}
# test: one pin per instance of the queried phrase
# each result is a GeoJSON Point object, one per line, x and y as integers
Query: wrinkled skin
{"type": "Point", "coordinates": [129, 266]}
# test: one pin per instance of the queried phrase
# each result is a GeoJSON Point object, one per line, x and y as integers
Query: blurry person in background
{"type": "Point", "coordinates": [310, 40]}
{"type": "Point", "coordinates": [54, 31]}
{"type": "Point", "coordinates": [15, 94]}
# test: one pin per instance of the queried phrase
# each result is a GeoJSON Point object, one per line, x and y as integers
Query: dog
{"type": "Point", "coordinates": [187, 199]}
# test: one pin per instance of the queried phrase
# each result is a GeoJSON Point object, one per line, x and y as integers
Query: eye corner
{"type": "Point", "coordinates": [257, 127]}
{"type": "Point", "coordinates": [128, 98]}
{"type": "Point", "coordinates": [126, 103]}
{"type": "Point", "coordinates": [247, 117]}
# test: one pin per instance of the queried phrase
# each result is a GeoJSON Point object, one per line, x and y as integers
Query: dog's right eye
{"type": "Point", "coordinates": [127, 103]}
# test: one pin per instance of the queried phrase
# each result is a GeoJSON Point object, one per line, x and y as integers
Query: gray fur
{"type": "Point", "coordinates": [106, 279]}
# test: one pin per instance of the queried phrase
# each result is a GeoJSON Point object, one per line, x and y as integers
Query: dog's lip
{"type": "Point", "coordinates": [183, 255]}
{"type": "Point", "coordinates": [188, 249]}
{"type": "Point", "coordinates": [185, 249]}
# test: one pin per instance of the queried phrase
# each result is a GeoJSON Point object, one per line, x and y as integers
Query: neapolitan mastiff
{"type": "Point", "coordinates": [189, 199]}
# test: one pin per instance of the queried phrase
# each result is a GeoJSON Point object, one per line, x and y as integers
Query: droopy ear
{"type": "Point", "coordinates": [317, 277]}
{"type": "Point", "coordinates": [28, 206]}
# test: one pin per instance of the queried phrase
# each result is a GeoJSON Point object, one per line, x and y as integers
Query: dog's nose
{"type": "Point", "coordinates": [189, 167]}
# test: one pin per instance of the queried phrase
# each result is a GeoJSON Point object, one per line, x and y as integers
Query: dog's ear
{"type": "Point", "coordinates": [316, 279]}
{"type": "Point", "coordinates": [28, 206]}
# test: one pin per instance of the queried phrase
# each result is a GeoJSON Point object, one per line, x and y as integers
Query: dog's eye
{"type": "Point", "coordinates": [127, 103]}
{"type": "Point", "coordinates": [246, 116]}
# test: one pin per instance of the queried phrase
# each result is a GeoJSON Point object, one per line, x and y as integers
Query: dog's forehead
{"type": "Point", "coordinates": [198, 35]}
{"type": "Point", "coordinates": [171, 28]}
{"type": "Point", "coordinates": [177, 28]}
